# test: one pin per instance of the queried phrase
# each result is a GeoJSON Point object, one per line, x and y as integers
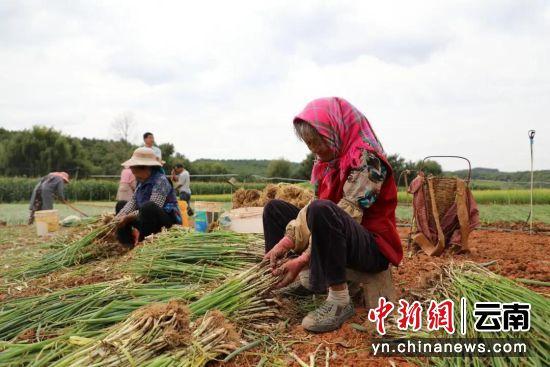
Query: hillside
{"type": "Point", "coordinates": [480, 173]}
{"type": "Point", "coordinates": [243, 167]}
{"type": "Point", "coordinates": [37, 151]}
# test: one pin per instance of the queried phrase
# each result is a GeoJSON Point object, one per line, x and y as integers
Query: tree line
{"type": "Point", "coordinates": [37, 151]}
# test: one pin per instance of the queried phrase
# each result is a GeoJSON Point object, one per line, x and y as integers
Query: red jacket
{"type": "Point", "coordinates": [379, 219]}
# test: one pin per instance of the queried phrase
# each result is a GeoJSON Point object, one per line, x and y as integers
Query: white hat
{"type": "Point", "coordinates": [142, 157]}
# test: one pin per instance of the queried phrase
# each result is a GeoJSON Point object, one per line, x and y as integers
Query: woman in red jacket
{"type": "Point", "coordinates": [351, 222]}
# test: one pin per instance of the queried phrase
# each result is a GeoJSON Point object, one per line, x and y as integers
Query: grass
{"type": "Point", "coordinates": [220, 198]}
{"type": "Point", "coordinates": [17, 213]}
{"type": "Point", "coordinates": [495, 213]}
{"type": "Point", "coordinates": [540, 196]}
{"type": "Point", "coordinates": [501, 197]}
{"type": "Point", "coordinates": [16, 189]}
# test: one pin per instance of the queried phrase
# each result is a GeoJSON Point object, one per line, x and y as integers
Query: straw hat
{"type": "Point", "coordinates": [142, 157]}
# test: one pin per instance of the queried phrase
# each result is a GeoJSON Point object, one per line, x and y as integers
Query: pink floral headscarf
{"type": "Point", "coordinates": [347, 132]}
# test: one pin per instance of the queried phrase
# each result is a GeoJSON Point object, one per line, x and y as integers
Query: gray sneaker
{"type": "Point", "coordinates": [328, 317]}
{"type": "Point", "coordinates": [295, 289]}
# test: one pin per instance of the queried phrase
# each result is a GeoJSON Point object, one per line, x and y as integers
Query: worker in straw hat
{"type": "Point", "coordinates": [349, 224]}
{"type": "Point", "coordinates": [153, 205]}
{"type": "Point", "coordinates": [50, 186]}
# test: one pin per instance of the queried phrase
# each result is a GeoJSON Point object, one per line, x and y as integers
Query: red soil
{"type": "Point", "coordinates": [517, 255]}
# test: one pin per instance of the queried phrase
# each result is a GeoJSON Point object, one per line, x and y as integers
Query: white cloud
{"type": "Point", "coordinates": [224, 79]}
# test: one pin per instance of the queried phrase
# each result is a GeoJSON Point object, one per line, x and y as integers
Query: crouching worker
{"type": "Point", "coordinates": [351, 222]}
{"type": "Point", "coordinates": [152, 206]}
{"type": "Point", "coordinates": [46, 190]}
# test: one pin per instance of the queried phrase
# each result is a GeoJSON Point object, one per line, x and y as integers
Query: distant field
{"type": "Point", "coordinates": [504, 197]}
{"type": "Point", "coordinates": [540, 196]}
{"type": "Point", "coordinates": [18, 213]}
{"type": "Point", "coordinates": [215, 198]}
{"type": "Point", "coordinates": [490, 213]}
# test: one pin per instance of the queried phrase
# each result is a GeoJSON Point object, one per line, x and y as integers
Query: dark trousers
{"type": "Point", "coordinates": [337, 241]}
{"type": "Point", "coordinates": [151, 219]}
{"type": "Point", "coordinates": [185, 196]}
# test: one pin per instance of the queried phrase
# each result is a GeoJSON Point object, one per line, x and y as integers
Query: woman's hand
{"type": "Point", "coordinates": [125, 220]}
{"type": "Point", "coordinates": [290, 270]}
{"type": "Point", "coordinates": [279, 250]}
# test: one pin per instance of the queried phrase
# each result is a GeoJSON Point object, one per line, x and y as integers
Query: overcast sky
{"type": "Point", "coordinates": [223, 79]}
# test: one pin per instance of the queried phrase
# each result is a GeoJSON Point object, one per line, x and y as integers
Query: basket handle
{"type": "Point", "coordinates": [449, 156]}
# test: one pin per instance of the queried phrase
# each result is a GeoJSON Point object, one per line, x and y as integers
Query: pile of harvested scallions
{"type": "Point", "coordinates": [477, 284]}
{"type": "Point", "coordinates": [178, 254]}
{"type": "Point", "coordinates": [113, 324]}
{"type": "Point", "coordinates": [79, 251]}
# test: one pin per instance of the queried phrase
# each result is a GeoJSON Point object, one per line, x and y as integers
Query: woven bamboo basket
{"type": "Point", "coordinates": [444, 191]}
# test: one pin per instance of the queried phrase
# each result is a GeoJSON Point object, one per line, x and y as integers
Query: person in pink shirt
{"type": "Point", "coordinates": [127, 185]}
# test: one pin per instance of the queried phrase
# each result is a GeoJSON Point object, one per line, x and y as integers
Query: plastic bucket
{"type": "Point", "coordinates": [46, 221]}
{"type": "Point", "coordinates": [206, 213]}
{"type": "Point", "coordinates": [245, 220]}
{"type": "Point", "coordinates": [183, 209]}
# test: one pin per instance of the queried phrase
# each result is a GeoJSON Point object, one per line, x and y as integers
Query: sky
{"type": "Point", "coordinates": [224, 79]}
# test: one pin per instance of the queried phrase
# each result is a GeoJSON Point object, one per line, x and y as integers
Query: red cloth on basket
{"type": "Point", "coordinates": [449, 221]}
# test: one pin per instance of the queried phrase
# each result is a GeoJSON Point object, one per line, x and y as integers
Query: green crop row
{"type": "Point", "coordinates": [540, 196]}
{"type": "Point", "coordinates": [18, 189]}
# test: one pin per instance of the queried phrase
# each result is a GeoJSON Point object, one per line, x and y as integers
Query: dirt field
{"type": "Point", "coordinates": [515, 255]}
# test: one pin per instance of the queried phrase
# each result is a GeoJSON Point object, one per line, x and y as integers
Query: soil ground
{"type": "Point", "coordinates": [515, 255]}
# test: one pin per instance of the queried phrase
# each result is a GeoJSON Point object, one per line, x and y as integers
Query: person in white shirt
{"type": "Point", "coordinates": [149, 142]}
{"type": "Point", "coordinates": [182, 184]}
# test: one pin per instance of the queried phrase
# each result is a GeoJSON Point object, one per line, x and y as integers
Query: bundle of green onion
{"type": "Point", "coordinates": [243, 298]}
{"type": "Point", "coordinates": [146, 333]}
{"type": "Point", "coordinates": [177, 254]}
{"type": "Point", "coordinates": [38, 354]}
{"type": "Point", "coordinates": [160, 333]}
{"type": "Point", "coordinates": [84, 308]}
{"type": "Point", "coordinates": [477, 284]}
{"type": "Point", "coordinates": [77, 252]}
{"type": "Point", "coordinates": [212, 336]}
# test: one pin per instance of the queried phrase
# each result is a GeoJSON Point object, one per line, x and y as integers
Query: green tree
{"type": "Point", "coordinates": [398, 166]}
{"type": "Point", "coordinates": [175, 159]}
{"type": "Point", "coordinates": [41, 150]}
{"type": "Point", "coordinates": [106, 156]}
{"type": "Point", "coordinates": [279, 168]}
{"type": "Point", "coordinates": [208, 168]}
{"type": "Point", "coordinates": [430, 167]}
{"type": "Point", "coordinates": [167, 150]}
{"type": "Point", "coordinates": [303, 171]}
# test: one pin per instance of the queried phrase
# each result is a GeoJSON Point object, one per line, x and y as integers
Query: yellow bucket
{"type": "Point", "coordinates": [46, 221]}
{"type": "Point", "coordinates": [183, 209]}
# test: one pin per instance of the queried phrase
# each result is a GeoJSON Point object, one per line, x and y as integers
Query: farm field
{"type": "Point", "coordinates": [18, 189]}
{"type": "Point", "coordinates": [202, 271]}
{"type": "Point", "coordinates": [274, 184]}
{"type": "Point", "coordinates": [513, 255]}
{"type": "Point", "coordinates": [17, 213]}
